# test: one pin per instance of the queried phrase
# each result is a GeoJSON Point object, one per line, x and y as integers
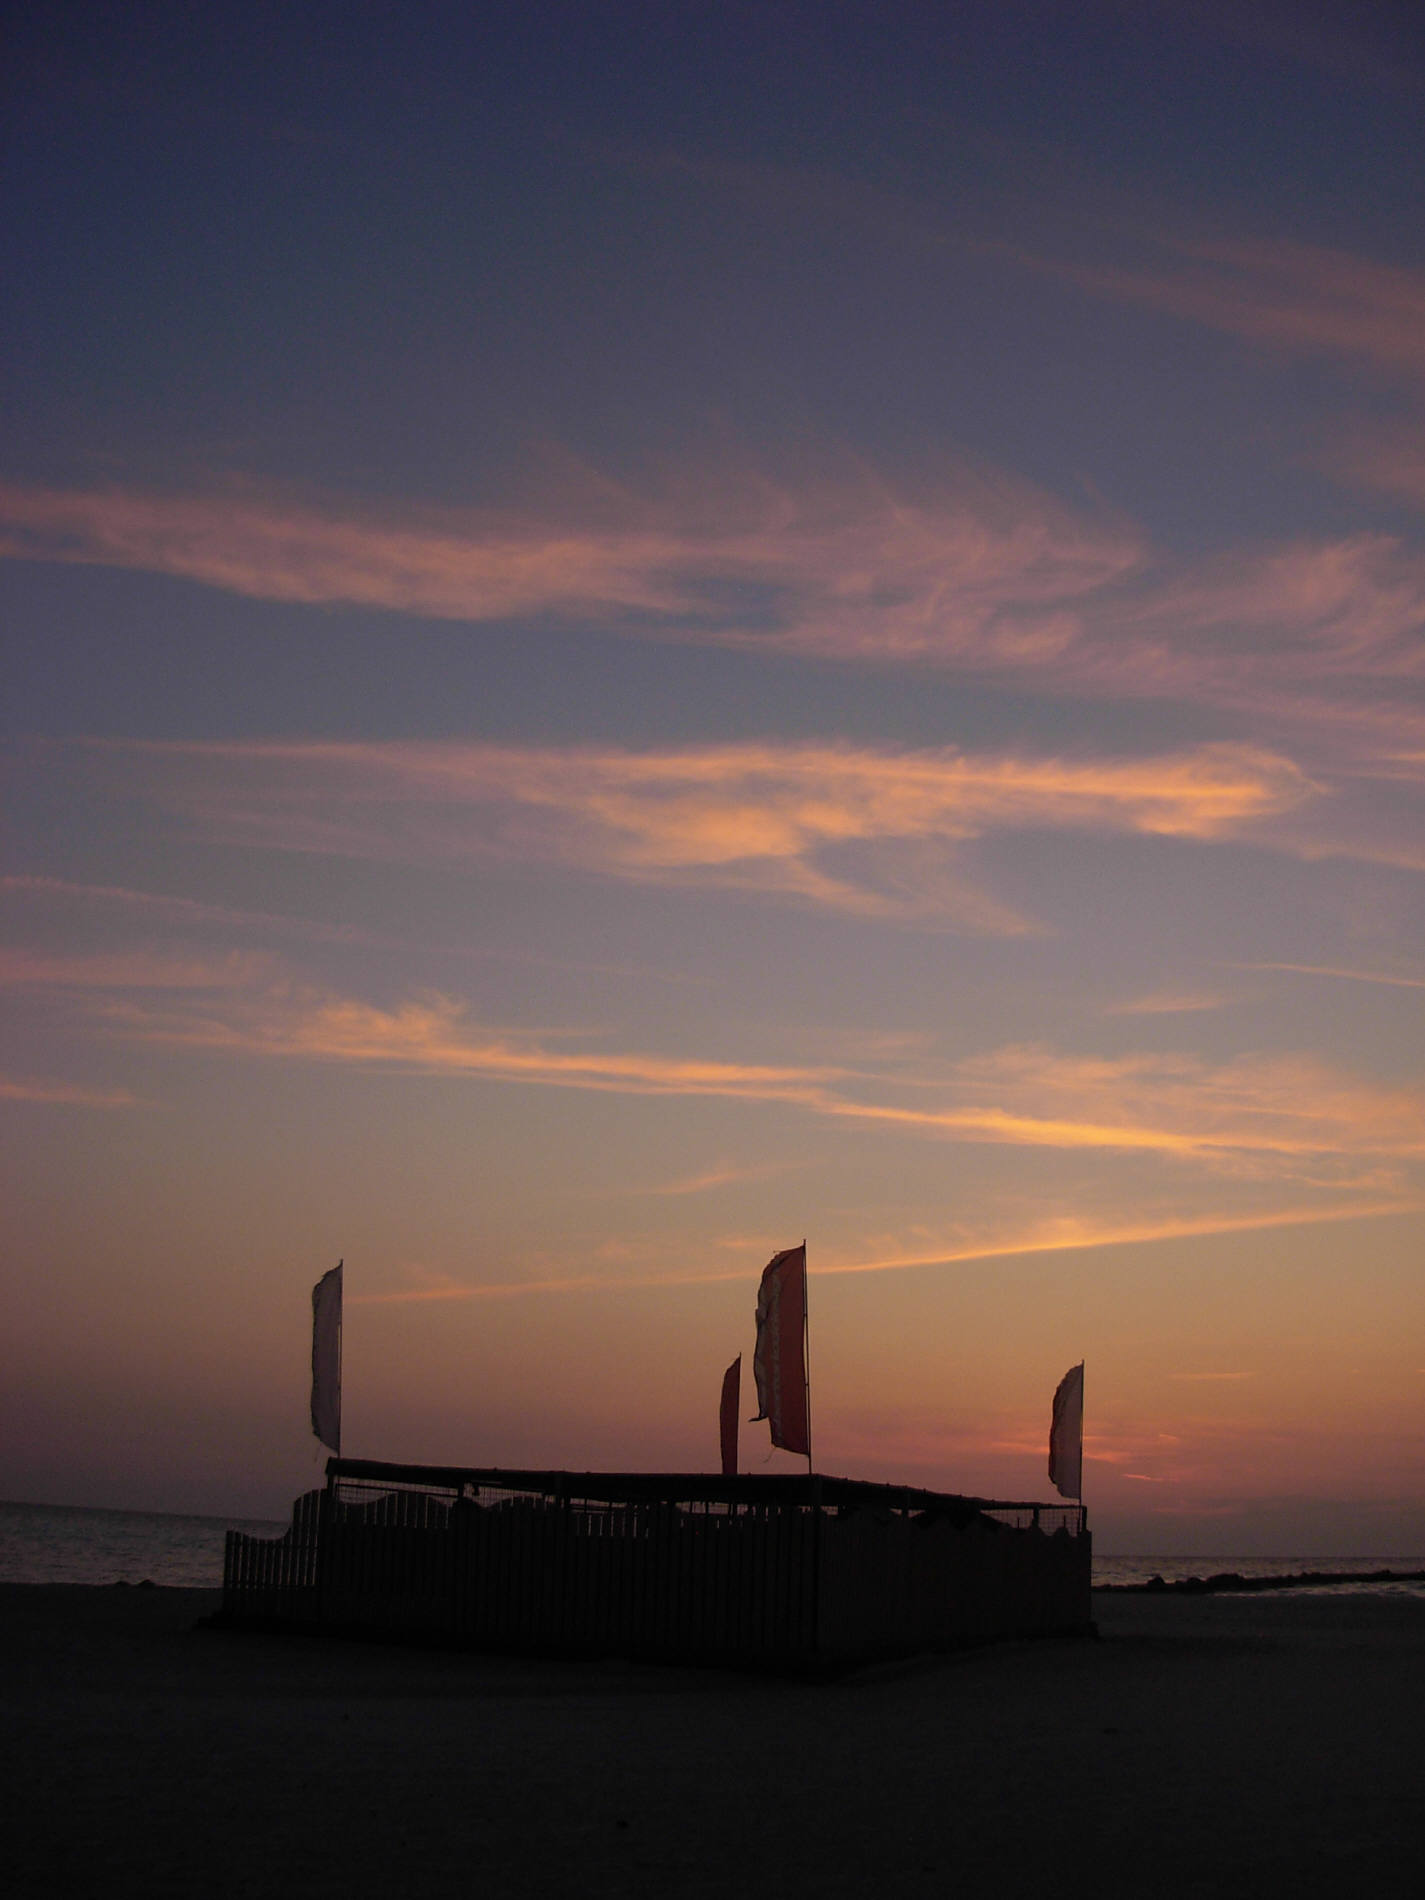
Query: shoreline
{"type": "Point", "coordinates": [1234, 1582]}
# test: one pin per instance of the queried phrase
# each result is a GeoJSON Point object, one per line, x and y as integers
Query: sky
{"type": "Point", "coordinates": [633, 632]}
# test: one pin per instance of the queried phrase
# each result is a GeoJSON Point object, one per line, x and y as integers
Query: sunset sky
{"type": "Point", "coordinates": [638, 631]}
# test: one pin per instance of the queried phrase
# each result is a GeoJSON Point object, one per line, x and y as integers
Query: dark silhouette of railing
{"type": "Point", "coordinates": [790, 1570]}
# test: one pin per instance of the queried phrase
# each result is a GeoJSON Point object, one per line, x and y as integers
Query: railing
{"type": "Point", "coordinates": [276, 1577]}
{"type": "Point", "coordinates": [506, 1564]}
{"type": "Point", "coordinates": [656, 1563]}
{"type": "Point", "coordinates": [1048, 1518]}
{"type": "Point", "coordinates": [690, 1492]}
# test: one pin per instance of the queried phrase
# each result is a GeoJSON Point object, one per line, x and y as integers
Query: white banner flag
{"type": "Point", "coordinates": [1066, 1435]}
{"type": "Point", "coordinates": [326, 1359]}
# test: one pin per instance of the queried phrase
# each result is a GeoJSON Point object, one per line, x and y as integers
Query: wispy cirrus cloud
{"type": "Point", "coordinates": [980, 560]}
{"type": "Point", "coordinates": [199, 918]}
{"type": "Point", "coordinates": [1387, 457]}
{"type": "Point", "coordinates": [190, 913]}
{"type": "Point", "coordinates": [1073, 1233]}
{"type": "Point", "coordinates": [1061, 1235]}
{"type": "Point", "coordinates": [1256, 1116]}
{"type": "Point", "coordinates": [130, 970]}
{"type": "Point", "coordinates": [1270, 1104]}
{"type": "Point", "coordinates": [1211, 1378]}
{"type": "Point", "coordinates": [434, 1035]}
{"type": "Point", "coordinates": [64, 1094]}
{"type": "Point", "coordinates": [1384, 977]}
{"type": "Point", "coordinates": [854, 828]}
{"type": "Point", "coordinates": [1290, 296]}
{"type": "Point", "coordinates": [1168, 1003]}
{"type": "Point", "coordinates": [1299, 300]}
{"type": "Point", "coordinates": [707, 1180]}
{"type": "Point", "coordinates": [980, 575]}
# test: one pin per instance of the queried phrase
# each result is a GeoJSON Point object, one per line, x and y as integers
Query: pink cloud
{"type": "Point", "coordinates": [64, 1094]}
{"type": "Point", "coordinates": [1386, 978]}
{"type": "Point", "coordinates": [981, 574]}
{"type": "Point", "coordinates": [852, 828]}
{"type": "Point", "coordinates": [1168, 1003]}
{"type": "Point", "coordinates": [142, 970]}
{"type": "Point", "coordinates": [1300, 300]}
{"type": "Point", "coordinates": [1065, 1236]}
{"type": "Point", "coordinates": [980, 560]}
{"type": "Point", "coordinates": [1256, 1117]}
{"type": "Point", "coordinates": [1295, 297]}
{"type": "Point", "coordinates": [1391, 460]}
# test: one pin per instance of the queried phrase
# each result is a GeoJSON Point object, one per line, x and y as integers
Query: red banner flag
{"type": "Point", "coordinates": [326, 1359]}
{"type": "Point", "coordinates": [727, 1416]}
{"type": "Point", "coordinates": [779, 1361]}
{"type": "Point", "coordinates": [1066, 1435]}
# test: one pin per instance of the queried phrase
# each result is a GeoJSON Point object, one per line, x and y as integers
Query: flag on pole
{"type": "Point", "coordinates": [326, 1359]}
{"type": "Point", "coordinates": [727, 1416]}
{"type": "Point", "coordinates": [779, 1360]}
{"type": "Point", "coordinates": [1066, 1435]}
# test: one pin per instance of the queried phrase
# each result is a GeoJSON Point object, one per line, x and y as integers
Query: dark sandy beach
{"type": "Point", "coordinates": [1213, 1746]}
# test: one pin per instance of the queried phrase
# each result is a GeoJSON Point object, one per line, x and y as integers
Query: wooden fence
{"type": "Point", "coordinates": [274, 1579]}
{"type": "Point", "coordinates": [790, 1572]}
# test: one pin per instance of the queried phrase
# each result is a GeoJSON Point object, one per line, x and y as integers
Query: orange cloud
{"type": "Point", "coordinates": [140, 970]}
{"type": "Point", "coordinates": [431, 1036]}
{"type": "Point", "coordinates": [1067, 1235]}
{"type": "Point", "coordinates": [70, 1094]}
{"type": "Point", "coordinates": [1211, 1378]}
{"type": "Point", "coordinates": [188, 911]}
{"type": "Point", "coordinates": [1254, 1115]}
{"type": "Point", "coordinates": [1285, 1105]}
{"type": "Point", "coordinates": [847, 827]}
{"type": "Point", "coordinates": [726, 1174]}
{"type": "Point", "coordinates": [1347, 975]}
{"type": "Point", "coordinates": [1350, 609]}
{"type": "Point", "coordinates": [986, 560]}
{"type": "Point", "coordinates": [1167, 1003]}
{"type": "Point", "coordinates": [1071, 1233]}
{"type": "Point", "coordinates": [980, 574]}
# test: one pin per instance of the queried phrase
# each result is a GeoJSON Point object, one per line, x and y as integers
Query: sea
{"type": "Point", "coordinates": [60, 1543]}
{"type": "Point", "coordinates": [57, 1543]}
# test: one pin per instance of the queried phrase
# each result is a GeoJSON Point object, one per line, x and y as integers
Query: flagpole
{"type": "Point", "coordinates": [806, 1350]}
{"type": "Point", "coordinates": [340, 1327]}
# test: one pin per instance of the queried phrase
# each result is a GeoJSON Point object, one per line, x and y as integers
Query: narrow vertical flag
{"type": "Point", "coordinates": [1066, 1435]}
{"type": "Point", "coordinates": [326, 1359]}
{"type": "Point", "coordinates": [727, 1416]}
{"type": "Point", "coordinates": [779, 1361]}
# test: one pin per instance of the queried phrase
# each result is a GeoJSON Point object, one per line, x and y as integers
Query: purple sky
{"type": "Point", "coordinates": [636, 631]}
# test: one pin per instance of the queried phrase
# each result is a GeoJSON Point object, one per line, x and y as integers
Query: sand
{"type": "Point", "coordinates": [1215, 1746]}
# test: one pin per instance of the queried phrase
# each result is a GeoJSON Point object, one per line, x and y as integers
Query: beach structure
{"type": "Point", "coordinates": [805, 1572]}
{"type": "Point", "coordinates": [789, 1572]}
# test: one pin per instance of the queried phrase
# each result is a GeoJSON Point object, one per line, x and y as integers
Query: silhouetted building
{"type": "Point", "coordinates": [796, 1572]}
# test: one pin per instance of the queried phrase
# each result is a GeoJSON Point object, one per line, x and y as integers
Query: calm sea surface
{"type": "Point", "coordinates": [52, 1543]}
{"type": "Point", "coordinates": [55, 1543]}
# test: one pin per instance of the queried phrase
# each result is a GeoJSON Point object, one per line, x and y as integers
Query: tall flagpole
{"type": "Point", "coordinates": [340, 1326]}
{"type": "Point", "coordinates": [806, 1350]}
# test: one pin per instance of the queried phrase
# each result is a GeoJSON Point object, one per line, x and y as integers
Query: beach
{"type": "Point", "coordinates": [1204, 1745]}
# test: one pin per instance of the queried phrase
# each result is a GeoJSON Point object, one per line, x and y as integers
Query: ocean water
{"type": "Point", "coordinates": [56, 1543]}
{"type": "Point", "coordinates": [53, 1543]}
{"type": "Point", "coordinates": [1128, 1570]}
